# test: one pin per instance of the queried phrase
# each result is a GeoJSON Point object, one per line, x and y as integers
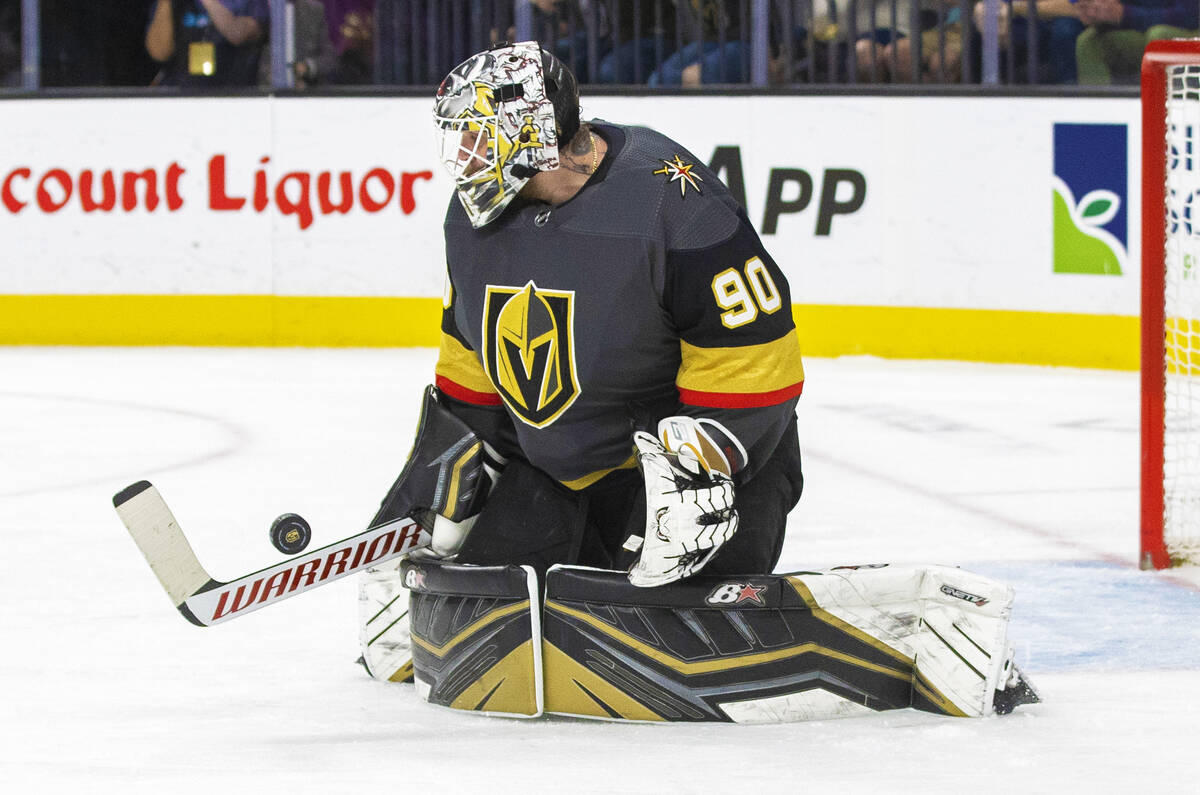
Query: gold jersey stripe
{"type": "Point", "coordinates": [460, 365]}
{"type": "Point", "coordinates": [589, 479]}
{"type": "Point", "coordinates": [749, 369]}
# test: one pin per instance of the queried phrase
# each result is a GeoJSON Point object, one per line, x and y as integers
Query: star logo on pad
{"type": "Point", "coordinates": [750, 593]}
{"type": "Point", "coordinates": [681, 172]}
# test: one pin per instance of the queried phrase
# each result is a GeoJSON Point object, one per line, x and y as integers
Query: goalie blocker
{"type": "Point", "coordinates": [753, 649]}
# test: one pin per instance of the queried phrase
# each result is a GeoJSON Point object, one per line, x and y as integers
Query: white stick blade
{"type": "Point", "coordinates": [161, 541]}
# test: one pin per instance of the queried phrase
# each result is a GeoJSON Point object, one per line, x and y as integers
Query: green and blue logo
{"type": "Point", "coordinates": [1091, 192]}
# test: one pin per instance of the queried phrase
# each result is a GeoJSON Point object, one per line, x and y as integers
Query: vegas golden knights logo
{"type": "Point", "coordinates": [529, 350]}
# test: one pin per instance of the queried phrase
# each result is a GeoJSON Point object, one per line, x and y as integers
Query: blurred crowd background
{"type": "Point", "coordinates": [318, 45]}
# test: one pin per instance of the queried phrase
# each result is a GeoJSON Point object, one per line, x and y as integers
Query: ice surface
{"type": "Point", "coordinates": [1021, 473]}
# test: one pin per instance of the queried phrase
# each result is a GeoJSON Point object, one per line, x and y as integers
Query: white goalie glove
{"type": "Point", "coordinates": [689, 513]}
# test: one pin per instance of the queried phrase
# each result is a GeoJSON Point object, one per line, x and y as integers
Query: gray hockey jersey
{"type": "Point", "coordinates": [647, 294]}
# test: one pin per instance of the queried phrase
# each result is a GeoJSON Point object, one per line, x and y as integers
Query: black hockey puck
{"type": "Point", "coordinates": [290, 533]}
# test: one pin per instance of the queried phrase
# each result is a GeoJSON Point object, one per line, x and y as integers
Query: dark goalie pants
{"type": "Point", "coordinates": [530, 519]}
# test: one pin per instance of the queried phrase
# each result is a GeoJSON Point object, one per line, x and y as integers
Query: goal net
{"type": "Point", "coordinates": [1170, 488]}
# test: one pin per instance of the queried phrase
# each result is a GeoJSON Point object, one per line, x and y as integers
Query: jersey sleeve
{"type": "Point", "coordinates": [740, 359]}
{"type": "Point", "coordinates": [459, 373]}
{"type": "Point", "coordinates": [460, 377]}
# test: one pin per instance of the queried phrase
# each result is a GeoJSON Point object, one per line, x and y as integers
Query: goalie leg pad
{"type": "Point", "coordinates": [952, 625]}
{"type": "Point", "coordinates": [476, 636]}
{"type": "Point", "coordinates": [772, 648]}
{"type": "Point", "coordinates": [746, 649]}
{"type": "Point", "coordinates": [383, 633]}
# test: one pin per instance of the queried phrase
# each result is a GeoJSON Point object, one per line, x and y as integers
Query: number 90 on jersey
{"type": "Point", "coordinates": [743, 294]}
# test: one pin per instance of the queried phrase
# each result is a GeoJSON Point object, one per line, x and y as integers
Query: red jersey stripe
{"type": "Point", "coordinates": [460, 392]}
{"type": "Point", "coordinates": [739, 400]}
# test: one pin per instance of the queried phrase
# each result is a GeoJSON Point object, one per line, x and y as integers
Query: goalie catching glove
{"type": "Point", "coordinates": [689, 497]}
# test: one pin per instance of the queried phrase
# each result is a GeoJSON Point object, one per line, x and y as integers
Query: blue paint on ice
{"type": "Point", "coordinates": [1089, 616]}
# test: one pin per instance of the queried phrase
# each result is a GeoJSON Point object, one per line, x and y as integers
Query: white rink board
{"type": "Point", "coordinates": [957, 211]}
{"type": "Point", "coordinates": [197, 249]}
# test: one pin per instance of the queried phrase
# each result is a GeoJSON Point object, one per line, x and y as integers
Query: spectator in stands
{"type": "Point", "coordinates": [645, 35]}
{"type": "Point", "coordinates": [126, 61]}
{"type": "Point", "coordinates": [714, 53]}
{"type": "Point", "coordinates": [207, 43]}
{"type": "Point", "coordinates": [634, 36]}
{"type": "Point", "coordinates": [1110, 49]}
{"type": "Point", "coordinates": [315, 61]}
{"type": "Point", "coordinates": [73, 35]}
{"type": "Point", "coordinates": [631, 36]}
{"type": "Point", "coordinates": [352, 26]}
{"type": "Point", "coordinates": [941, 48]}
{"type": "Point", "coordinates": [567, 28]}
{"type": "Point", "coordinates": [82, 43]}
{"type": "Point", "coordinates": [355, 63]}
{"type": "Point", "coordinates": [1056, 28]}
{"type": "Point", "coordinates": [336, 12]}
{"type": "Point", "coordinates": [878, 27]}
{"type": "Point", "coordinates": [10, 43]}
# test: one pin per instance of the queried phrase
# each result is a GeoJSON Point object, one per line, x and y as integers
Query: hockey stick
{"type": "Point", "coordinates": [205, 601]}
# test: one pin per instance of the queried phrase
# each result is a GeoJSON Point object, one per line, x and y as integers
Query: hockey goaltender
{"type": "Point", "coordinates": [609, 454]}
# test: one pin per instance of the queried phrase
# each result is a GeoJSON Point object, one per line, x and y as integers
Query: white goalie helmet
{"type": "Point", "coordinates": [495, 120]}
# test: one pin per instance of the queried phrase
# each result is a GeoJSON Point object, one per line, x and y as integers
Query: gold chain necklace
{"type": "Point", "coordinates": [595, 152]}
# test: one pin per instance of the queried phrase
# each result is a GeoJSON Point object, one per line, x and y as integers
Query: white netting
{"type": "Point", "coordinates": [1181, 442]}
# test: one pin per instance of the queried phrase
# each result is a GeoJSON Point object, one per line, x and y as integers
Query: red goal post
{"type": "Point", "coordinates": [1170, 311]}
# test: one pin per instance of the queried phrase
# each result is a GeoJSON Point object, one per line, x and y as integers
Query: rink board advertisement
{"type": "Point", "coordinates": [981, 228]}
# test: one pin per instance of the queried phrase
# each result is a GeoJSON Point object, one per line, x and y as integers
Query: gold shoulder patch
{"type": "Point", "coordinates": [678, 171]}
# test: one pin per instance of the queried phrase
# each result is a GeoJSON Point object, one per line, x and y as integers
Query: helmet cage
{"type": "Point", "coordinates": [495, 127]}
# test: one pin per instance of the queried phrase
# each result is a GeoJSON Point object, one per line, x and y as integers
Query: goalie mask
{"type": "Point", "coordinates": [496, 123]}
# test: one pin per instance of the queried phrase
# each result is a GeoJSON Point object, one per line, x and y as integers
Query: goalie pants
{"type": "Point", "coordinates": [531, 519]}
